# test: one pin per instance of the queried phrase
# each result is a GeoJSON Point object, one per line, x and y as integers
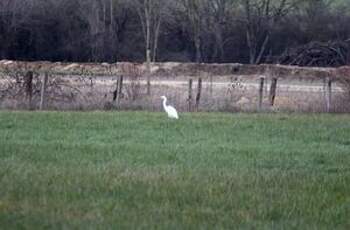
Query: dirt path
{"type": "Point", "coordinates": [292, 87]}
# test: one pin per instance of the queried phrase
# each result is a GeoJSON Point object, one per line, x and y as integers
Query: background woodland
{"type": "Point", "coordinates": [212, 31]}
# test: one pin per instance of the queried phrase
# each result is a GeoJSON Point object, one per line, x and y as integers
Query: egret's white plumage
{"type": "Point", "coordinates": [171, 111]}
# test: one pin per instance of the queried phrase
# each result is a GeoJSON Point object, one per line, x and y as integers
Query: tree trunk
{"type": "Point", "coordinates": [250, 47]}
{"type": "Point", "coordinates": [156, 37]}
{"type": "Point", "coordinates": [148, 44]}
{"type": "Point", "coordinates": [262, 49]}
{"type": "Point", "coordinates": [197, 43]}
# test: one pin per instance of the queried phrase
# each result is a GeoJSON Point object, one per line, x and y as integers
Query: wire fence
{"type": "Point", "coordinates": [205, 92]}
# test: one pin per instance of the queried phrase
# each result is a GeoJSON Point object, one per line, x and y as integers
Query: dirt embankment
{"type": "Point", "coordinates": [174, 69]}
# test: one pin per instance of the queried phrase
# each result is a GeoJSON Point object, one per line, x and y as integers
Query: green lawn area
{"type": "Point", "coordinates": [139, 170]}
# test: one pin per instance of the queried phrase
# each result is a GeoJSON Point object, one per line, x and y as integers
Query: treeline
{"type": "Point", "coordinates": [245, 31]}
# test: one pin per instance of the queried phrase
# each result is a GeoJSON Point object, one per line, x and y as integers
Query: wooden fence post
{"type": "Point", "coordinates": [211, 85]}
{"type": "Point", "coordinates": [29, 88]}
{"type": "Point", "coordinates": [43, 91]}
{"type": "Point", "coordinates": [148, 64]}
{"type": "Point", "coordinates": [329, 95]}
{"type": "Point", "coordinates": [190, 95]}
{"type": "Point", "coordinates": [199, 91]}
{"type": "Point", "coordinates": [273, 91]}
{"type": "Point", "coordinates": [120, 90]}
{"type": "Point", "coordinates": [261, 93]}
{"type": "Point", "coordinates": [117, 94]}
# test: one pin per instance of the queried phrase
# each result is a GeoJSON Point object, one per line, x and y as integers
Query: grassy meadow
{"type": "Point", "coordinates": [139, 170]}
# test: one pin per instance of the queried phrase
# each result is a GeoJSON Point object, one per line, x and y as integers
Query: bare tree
{"type": "Point", "coordinates": [150, 13]}
{"type": "Point", "coordinates": [92, 12]}
{"type": "Point", "coordinates": [194, 12]}
{"type": "Point", "coordinates": [218, 13]}
{"type": "Point", "coordinates": [260, 16]}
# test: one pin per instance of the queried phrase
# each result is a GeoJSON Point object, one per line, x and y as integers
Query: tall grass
{"type": "Point", "coordinates": [138, 170]}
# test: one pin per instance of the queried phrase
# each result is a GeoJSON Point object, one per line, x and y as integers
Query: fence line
{"type": "Point", "coordinates": [129, 91]}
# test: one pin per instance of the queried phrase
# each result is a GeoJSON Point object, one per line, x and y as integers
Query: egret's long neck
{"type": "Point", "coordinates": [164, 102]}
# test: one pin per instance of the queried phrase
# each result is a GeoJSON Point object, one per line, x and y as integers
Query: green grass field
{"type": "Point", "coordinates": [139, 170]}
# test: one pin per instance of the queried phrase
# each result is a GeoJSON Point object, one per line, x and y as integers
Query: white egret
{"type": "Point", "coordinates": [171, 111]}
